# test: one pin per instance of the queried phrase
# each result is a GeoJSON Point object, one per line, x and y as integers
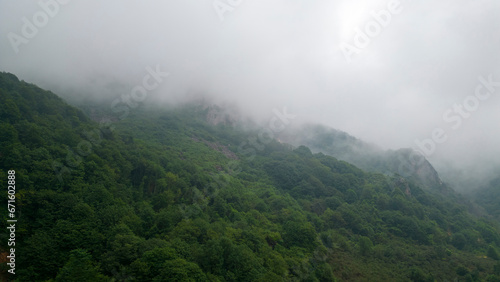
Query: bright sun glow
{"type": "Point", "coordinates": [351, 15]}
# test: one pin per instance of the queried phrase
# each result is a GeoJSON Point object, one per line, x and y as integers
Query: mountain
{"type": "Point", "coordinates": [189, 193]}
{"type": "Point", "coordinates": [488, 197]}
{"type": "Point", "coordinates": [405, 162]}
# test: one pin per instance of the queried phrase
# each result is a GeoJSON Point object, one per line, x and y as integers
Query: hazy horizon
{"type": "Point", "coordinates": [389, 72]}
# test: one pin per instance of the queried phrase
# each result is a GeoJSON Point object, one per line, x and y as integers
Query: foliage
{"type": "Point", "coordinates": [164, 194]}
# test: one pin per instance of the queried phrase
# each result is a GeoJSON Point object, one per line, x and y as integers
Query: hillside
{"type": "Point", "coordinates": [341, 145]}
{"type": "Point", "coordinates": [167, 194]}
{"type": "Point", "coordinates": [489, 197]}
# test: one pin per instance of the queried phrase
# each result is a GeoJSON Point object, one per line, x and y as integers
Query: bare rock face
{"type": "Point", "coordinates": [216, 115]}
{"type": "Point", "coordinates": [411, 164]}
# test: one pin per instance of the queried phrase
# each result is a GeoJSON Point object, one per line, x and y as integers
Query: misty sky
{"type": "Point", "coordinates": [418, 62]}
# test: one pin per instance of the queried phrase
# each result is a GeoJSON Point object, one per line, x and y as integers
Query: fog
{"type": "Point", "coordinates": [389, 72]}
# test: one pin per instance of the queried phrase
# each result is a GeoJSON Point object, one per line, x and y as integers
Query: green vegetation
{"type": "Point", "coordinates": [405, 162]}
{"type": "Point", "coordinates": [162, 195]}
{"type": "Point", "coordinates": [489, 198]}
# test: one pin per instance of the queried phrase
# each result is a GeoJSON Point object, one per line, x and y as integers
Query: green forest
{"type": "Point", "coordinates": [163, 194]}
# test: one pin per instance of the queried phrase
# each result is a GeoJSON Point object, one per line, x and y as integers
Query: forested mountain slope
{"type": "Point", "coordinates": [489, 197]}
{"type": "Point", "coordinates": [164, 195]}
{"type": "Point", "coordinates": [405, 162]}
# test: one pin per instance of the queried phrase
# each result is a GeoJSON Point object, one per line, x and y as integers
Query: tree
{"type": "Point", "coordinates": [150, 264]}
{"type": "Point", "coordinates": [9, 134]}
{"type": "Point", "coordinates": [365, 245]}
{"type": "Point", "coordinates": [324, 273]}
{"type": "Point", "coordinates": [462, 271]}
{"type": "Point", "coordinates": [351, 196]}
{"type": "Point", "coordinates": [458, 241]}
{"type": "Point", "coordinates": [222, 257]}
{"type": "Point", "coordinates": [180, 270]}
{"type": "Point", "coordinates": [80, 268]}
{"type": "Point", "coordinates": [417, 275]}
{"type": "Point", "coordinates": [9, 111]}
{"type": "Point", "coordinates": [492, 253]}
{"type": "Point", "coordinates": [301, 234]}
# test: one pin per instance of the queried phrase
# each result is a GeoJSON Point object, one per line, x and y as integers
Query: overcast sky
{"type": "Point", "coordinates": [388, 82]}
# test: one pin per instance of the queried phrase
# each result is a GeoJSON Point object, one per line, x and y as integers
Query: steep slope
{"type": "Point", "coordinates": [404, 162]}
{"type": "Point", "coordinates": [164, 194]}
{"type": "Point", "coordinates": [489, 197]}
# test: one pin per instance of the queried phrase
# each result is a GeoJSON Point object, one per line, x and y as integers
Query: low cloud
{"type": "Point", "coordinates": [262, 55]}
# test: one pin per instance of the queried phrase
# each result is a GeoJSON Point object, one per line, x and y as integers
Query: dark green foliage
{"type": "Point", "coordinates": [488, 197]}
{"type": "Point", "coordinates": [164, 195]}
{"type": "Point", "coordinates": [496, 269]}
{"type": "Point", "coordinates": [223, 258]}
{"type": "Point", "coordinates": [79, 268]}
{"type": "Point", "coordinates": [351, 196]}
{"type": "Point", "coordinates": [365, 245]}
{"type": "Point", "coordinates": [493, 278]}
{"type": "Point", "coordinates": [301, 234]}
{"type": "Point", "coordinates": [162, 264]}
{"type": "Point", "coordinates": [459, 241]}
{"type": "Point", "coordinates": [462, 271]}
{"type": "Point", "coordinates": [492, 253]}
{"type": "Point", "coordinates": [324, 273]}
{"type": "Point", "coordinates": [418, 275]}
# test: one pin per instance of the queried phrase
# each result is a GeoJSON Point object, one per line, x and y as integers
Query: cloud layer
{"type": "Point", "coordinates": [421, 58]}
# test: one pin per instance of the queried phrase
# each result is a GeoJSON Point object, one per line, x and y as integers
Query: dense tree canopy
{"type": "Point", "coordinates": [164, 195]}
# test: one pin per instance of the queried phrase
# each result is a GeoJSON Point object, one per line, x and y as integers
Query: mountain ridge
{"type": "Point", "coordinates": [164, 194]}
{"type": "Point", "coordinates": [405, 162]}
